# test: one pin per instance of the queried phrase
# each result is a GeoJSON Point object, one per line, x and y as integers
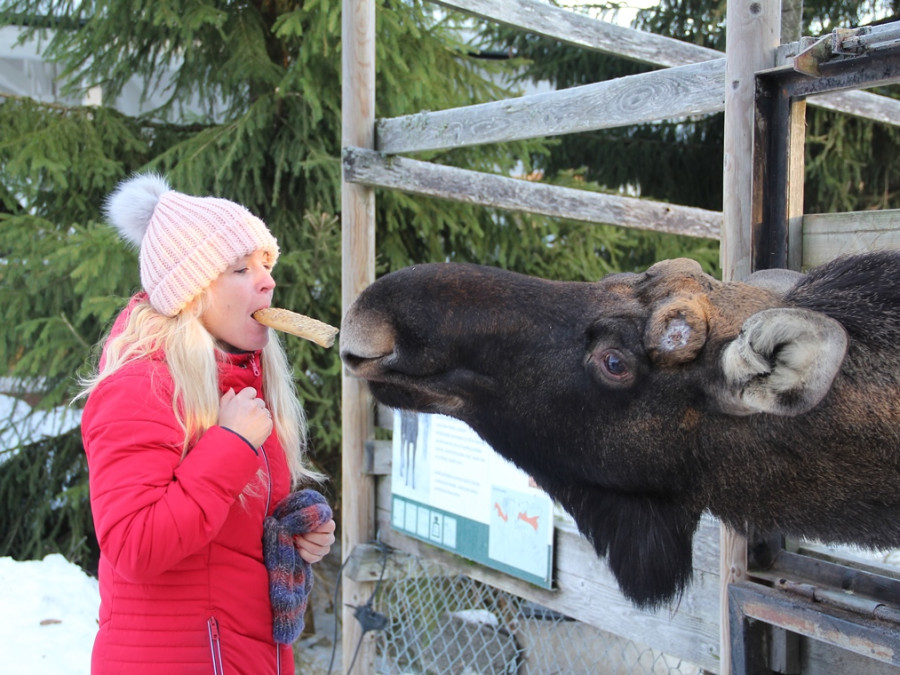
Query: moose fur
{"type": "Point", "coordinates": [642, 400]}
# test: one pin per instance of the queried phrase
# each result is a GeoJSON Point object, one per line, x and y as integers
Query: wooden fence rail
{"type": "Point", "coordinates": [583, 31]}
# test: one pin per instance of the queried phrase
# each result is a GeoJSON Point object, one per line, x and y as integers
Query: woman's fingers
{"type": "Point", "coordinates": [245, 414]}
{"type": "Point", "coordinates": [315, 545]}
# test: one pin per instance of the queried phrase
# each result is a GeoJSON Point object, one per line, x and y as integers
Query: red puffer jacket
{"type": "Point", "coordinates": [183, 587]}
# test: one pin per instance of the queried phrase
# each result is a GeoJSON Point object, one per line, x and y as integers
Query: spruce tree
{"type": "Point", "coordinates": [249, 110]}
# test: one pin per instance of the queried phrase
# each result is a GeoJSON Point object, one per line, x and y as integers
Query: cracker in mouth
{"type": "Point", "coordinates": [297, 324]}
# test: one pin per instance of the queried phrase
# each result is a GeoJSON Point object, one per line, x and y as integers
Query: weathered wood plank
{"type": "Point", "coordinates": [473, 187]}
{"type": "Point", "coordinates": [384, 416]}
{"type": "Point", "coordinates": [796, 183]}
{"type": "Point", "coordinates": [378, 458]}
{"type": "Point", "coordinates": [671, 93]}
{"type": "Point", "coordinates": [861, 104]}
{"type": "Point", "coordinates": [583, 31]}
{"type": "Point", "coordinates": [368, 562]}
{"type": "Point", "coordinates": [829, 235]}
{"type": "Point", "coordinates": [585, 590]}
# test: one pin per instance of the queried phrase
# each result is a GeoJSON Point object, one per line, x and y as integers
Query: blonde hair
{"type": "Point", "coordinates": [190, 353]}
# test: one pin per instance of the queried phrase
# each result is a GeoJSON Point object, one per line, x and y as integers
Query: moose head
{"type": "Point", "coordinates": [642, 400]}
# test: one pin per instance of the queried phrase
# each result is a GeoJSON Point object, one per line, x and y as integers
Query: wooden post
{"type": "Point", "coordinates": [357, 271]}
{"type": "Point", "coordinates": [796, 178]}
{"type": "Point", "coordinates": [753, 35]}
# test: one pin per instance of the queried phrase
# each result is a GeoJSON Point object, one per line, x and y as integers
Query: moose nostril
{"type": "Point", "coordinates": [351, 359]}
{"type": "Point", "coordinates": [366, 334]}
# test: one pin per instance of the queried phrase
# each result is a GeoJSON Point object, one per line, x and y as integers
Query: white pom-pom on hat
{"type": "Point", "coordinates": [185, 242]}
{"type": "Point", "coordinates": [131, 206]}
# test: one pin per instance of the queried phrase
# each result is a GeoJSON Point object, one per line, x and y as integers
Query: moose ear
{"type": "Point", "coordinates": [783, 362]}
{"type": "Point", "coordinates": [677, 330]}
{"type": "Point", "coordinates": [777, 280]}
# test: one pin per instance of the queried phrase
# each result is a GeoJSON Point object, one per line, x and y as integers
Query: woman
{"type": "Point", "coordinates": [193, 435]}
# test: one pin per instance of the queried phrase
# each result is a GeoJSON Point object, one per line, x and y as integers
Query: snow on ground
{"type": "Point", "coordinates": [20, 424]}
{"type": "Point", "coordinates": [48, 617]}
{"type": "Point", "coordinates": [49, 607]}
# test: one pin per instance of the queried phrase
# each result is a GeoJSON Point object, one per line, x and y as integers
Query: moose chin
{"type": "Point", "coordinates": [640, 401]}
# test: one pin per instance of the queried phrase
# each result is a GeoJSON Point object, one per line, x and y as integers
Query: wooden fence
{"type": "Point", "coordinates": [692, 81]}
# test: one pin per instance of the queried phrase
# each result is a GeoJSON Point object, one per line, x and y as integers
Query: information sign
{"type": "Point", "coordinates": [450, 489]}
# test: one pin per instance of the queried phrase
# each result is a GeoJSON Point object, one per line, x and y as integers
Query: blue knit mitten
{"type": "Point", "coordinates": [290, 577]}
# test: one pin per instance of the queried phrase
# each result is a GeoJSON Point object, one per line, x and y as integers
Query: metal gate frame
{"type": "Point", "coordinates": [788, 593]}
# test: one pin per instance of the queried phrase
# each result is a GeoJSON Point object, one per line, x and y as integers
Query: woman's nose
{"type": "Point", "coordinates": [266, 281]}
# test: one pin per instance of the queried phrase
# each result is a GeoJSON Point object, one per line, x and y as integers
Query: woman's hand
{"type": "Point", "coordinates": [245, 414]}
{"type": "Point", "coordinates": [315, 545]}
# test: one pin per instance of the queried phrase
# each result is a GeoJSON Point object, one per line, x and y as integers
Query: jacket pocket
{"type": "Point", "coordinates": [215, 645]}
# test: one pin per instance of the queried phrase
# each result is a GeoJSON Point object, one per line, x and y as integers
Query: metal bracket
{"type": "Point", "coordinates": [807, 61]}
{"type": "Point", "coordinates": [846, 42]}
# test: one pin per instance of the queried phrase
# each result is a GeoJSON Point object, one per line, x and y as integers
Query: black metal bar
{"type": "Point", "coordinates": [875, 639]}
{"type": "Point", "coordinates": [776, 90]}
{"type": "Point", "coordinates": [849, 608]}
{"type": "Point", "coordinates": [863, 72]}
{"type": "Point", "coordinates": [747, 639]}
{"type": "Point", "coordinates": [860, 582]}
{"type": "Point", "coordinates": [772, 138]}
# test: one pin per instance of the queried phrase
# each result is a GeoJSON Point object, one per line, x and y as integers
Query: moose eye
{"type": "Point", "coordinates": [611, 366]}
{"type": "Point", "coordinates": [614, 365]}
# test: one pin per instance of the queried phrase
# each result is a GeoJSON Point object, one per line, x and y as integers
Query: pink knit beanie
{"type": "Point", "coordinates": [185, 242]}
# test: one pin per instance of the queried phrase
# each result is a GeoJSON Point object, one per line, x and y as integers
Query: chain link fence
{"type": "Point", "coordinates": [441, 622]}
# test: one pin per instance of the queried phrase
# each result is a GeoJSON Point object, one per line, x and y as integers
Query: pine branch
{"type": "Point", "coordinates": [81, 341]}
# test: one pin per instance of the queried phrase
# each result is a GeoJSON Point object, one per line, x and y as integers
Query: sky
{"type": "Point", "coordinates": [623, 16]}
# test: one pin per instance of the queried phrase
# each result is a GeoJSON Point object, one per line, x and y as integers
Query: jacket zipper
{"type": "Point", "coordinates": [213, 624]}
{"type": "Point", "coordinates": [215, 645]}
{"type": "Point", "coordinates": [255, 368]}
{"type": "Point", "coordinates": [262, 449]}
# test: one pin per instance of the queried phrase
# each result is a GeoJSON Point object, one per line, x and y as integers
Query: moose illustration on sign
{"type": "Point", "coordinates": [642, 400]}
